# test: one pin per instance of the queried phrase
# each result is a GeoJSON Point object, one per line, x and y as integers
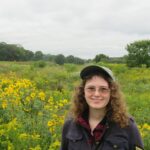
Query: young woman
{"type": "Point", "coordinates": [99, 118]}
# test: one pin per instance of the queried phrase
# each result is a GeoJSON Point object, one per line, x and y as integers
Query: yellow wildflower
{"type": "Point", "coordinates": [35, 148]}
{"type": "Point", "coordinates": [50, 123]}
{"type": "Point", "coordinates": [23, 136]}
{"type": "Point", "coordinates": [42, 96]}
{"type": "Point", "coordinates": [32, 95]}
{"type": "Point", "coordinates": [4, 104]}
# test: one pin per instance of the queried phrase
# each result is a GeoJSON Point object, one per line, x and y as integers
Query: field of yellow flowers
{"type": "Point", "coordinates": [29, 117]}
{"type": "Point", "coordinates": [34, 102]}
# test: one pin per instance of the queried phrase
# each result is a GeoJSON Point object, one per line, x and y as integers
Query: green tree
{"type": "Point", "coordinates": [14, 52]}
{"type": "Point", "coordinates": [28, 55]}
{"type": "Point", "coordinates": [79, 60]}
{"type": "Point", "coordinates": [48, 57]}
{"type": "Point", "coordinates": [11, 52]}
{"type": "Point", "coordinates": [38, 55]}
{"type": "Point", "coordinates": [101, 57]}
{"type": "Point", "coordinates": [59, 59]}
{"type": "Point", "coordinates": [138, 53]}
{"type": "Point", "coordinates": [70, 59]}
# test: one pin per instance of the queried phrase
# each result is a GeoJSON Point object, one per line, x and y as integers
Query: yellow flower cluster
{"type": "Point", "coordinates": [56, 119]}
{"type": "Point", "coordinates": [24, 136]}
{"type": "Point", "coordinates": [55, 145]}
{"type": "Point", "coordinates": [35, 148]}
{"type": "Point", "coordinates": [42, 96]}
{"type": "Point", "coordinates": [144, 129]}
{"type": "Point", "coordinates": [55, 105]}
{"type": "Point", "coordinates": [5, 128]}
{"type": "Point", "coordinates": [19, 92]}
{"type": "Point", "coordinates": [26, 108]}
{"type": "Point", "coordinates": [15, 92]}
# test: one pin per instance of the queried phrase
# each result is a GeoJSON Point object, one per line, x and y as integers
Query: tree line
{"type": "Point", "coordinates": [15, 52]}
{"type": "Point", "coordinates": [138, 55]}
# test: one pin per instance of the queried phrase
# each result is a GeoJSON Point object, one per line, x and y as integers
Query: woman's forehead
{"type": "Point", "coordinates": [96, 80]}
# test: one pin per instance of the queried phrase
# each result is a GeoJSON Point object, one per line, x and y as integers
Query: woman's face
{"type": "Point", "coordinates": [97, 92]}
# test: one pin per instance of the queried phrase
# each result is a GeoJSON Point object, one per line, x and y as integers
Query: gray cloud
{"type": "Point", "coordinates": [81, 28]}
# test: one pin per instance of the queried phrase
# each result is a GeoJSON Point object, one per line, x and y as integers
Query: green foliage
{"type": "Point", "coordinates": [74, 60]}
{"type": "Point", "coordinates": [38, 55]}
{"type": "Point", "coordinates": [70, 59]}
{"type": "Point", "coordinates": [28, 116]}
{"type": "Point", "coordinates": [101, 57]}
{"type": "Point", "coordinates": [58, 82]}
{"type": "Point", "coordinates": [70, 67]}
{"type": "Point", "coordinates": [40, 64]}
{"type": "Point", "coordinates": [118, 60]}
{"type": "Point", "coordinates": [60, 59]}
{"type": "Point", "coordinates": [138, 53]}
{"type": "Point", "coordinates": [13, 52]}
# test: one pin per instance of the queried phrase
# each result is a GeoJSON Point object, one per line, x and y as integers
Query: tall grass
{"type": "Point", "coordinates": [35, 97]}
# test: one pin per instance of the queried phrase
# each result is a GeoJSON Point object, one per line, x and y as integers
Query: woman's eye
{"type": "Point", "coordinates": [104, 89]}
{"type": "Point", "coordinates": [91, 88]}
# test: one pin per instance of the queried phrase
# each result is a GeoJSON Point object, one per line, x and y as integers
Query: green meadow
{"type": "Point", "coordinates": [35, 97]}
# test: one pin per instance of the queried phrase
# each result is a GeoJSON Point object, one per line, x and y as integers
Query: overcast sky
{"type": "Point", "coordinates": [83, 28]}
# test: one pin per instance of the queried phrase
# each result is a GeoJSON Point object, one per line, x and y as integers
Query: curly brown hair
{"type": "Point", "coordinates": [116, 109]}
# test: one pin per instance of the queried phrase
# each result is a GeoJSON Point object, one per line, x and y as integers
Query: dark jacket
{"type": "Point", "coordinates": [74, 137]}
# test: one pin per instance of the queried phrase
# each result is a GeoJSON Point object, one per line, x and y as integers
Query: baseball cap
{"type": "Point", "coordinates": [94, 69]}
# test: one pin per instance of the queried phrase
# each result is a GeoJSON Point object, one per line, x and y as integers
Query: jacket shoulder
{"type": "Point", "coordinates": [65, 130]}
{"type": "Point", "coordinates": [73, 130]}
{"type": "Point", "coordinates": [134, 134]}
{"type": "Point", "coordinates": [67, 123]}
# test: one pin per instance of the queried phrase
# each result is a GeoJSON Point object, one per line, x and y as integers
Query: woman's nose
{"type": "Point", "coordinates": [97, 92]}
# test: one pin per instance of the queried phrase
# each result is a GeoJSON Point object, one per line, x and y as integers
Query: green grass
{"type": "Point", "coordinates": [52, 78]}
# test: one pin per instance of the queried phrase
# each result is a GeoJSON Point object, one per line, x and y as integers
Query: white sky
{"type": "Point", "coordinates": [83, 28]}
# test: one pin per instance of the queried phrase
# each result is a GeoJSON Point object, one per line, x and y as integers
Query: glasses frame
{"type": "Point", "coordinates": [92, 89]}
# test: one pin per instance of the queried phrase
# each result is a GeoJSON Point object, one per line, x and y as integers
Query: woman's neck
{"type": "Point", "coordinates": [95, 117]}
{"type": "Point", "coordinates": [97, 114]}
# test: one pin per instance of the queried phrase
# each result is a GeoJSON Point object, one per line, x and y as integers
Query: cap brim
{"type": "Point", "coordinates": [93, 69]}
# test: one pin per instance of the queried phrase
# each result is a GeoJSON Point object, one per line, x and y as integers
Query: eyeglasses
{"type": "Point", "coordinates": [102, 90]}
